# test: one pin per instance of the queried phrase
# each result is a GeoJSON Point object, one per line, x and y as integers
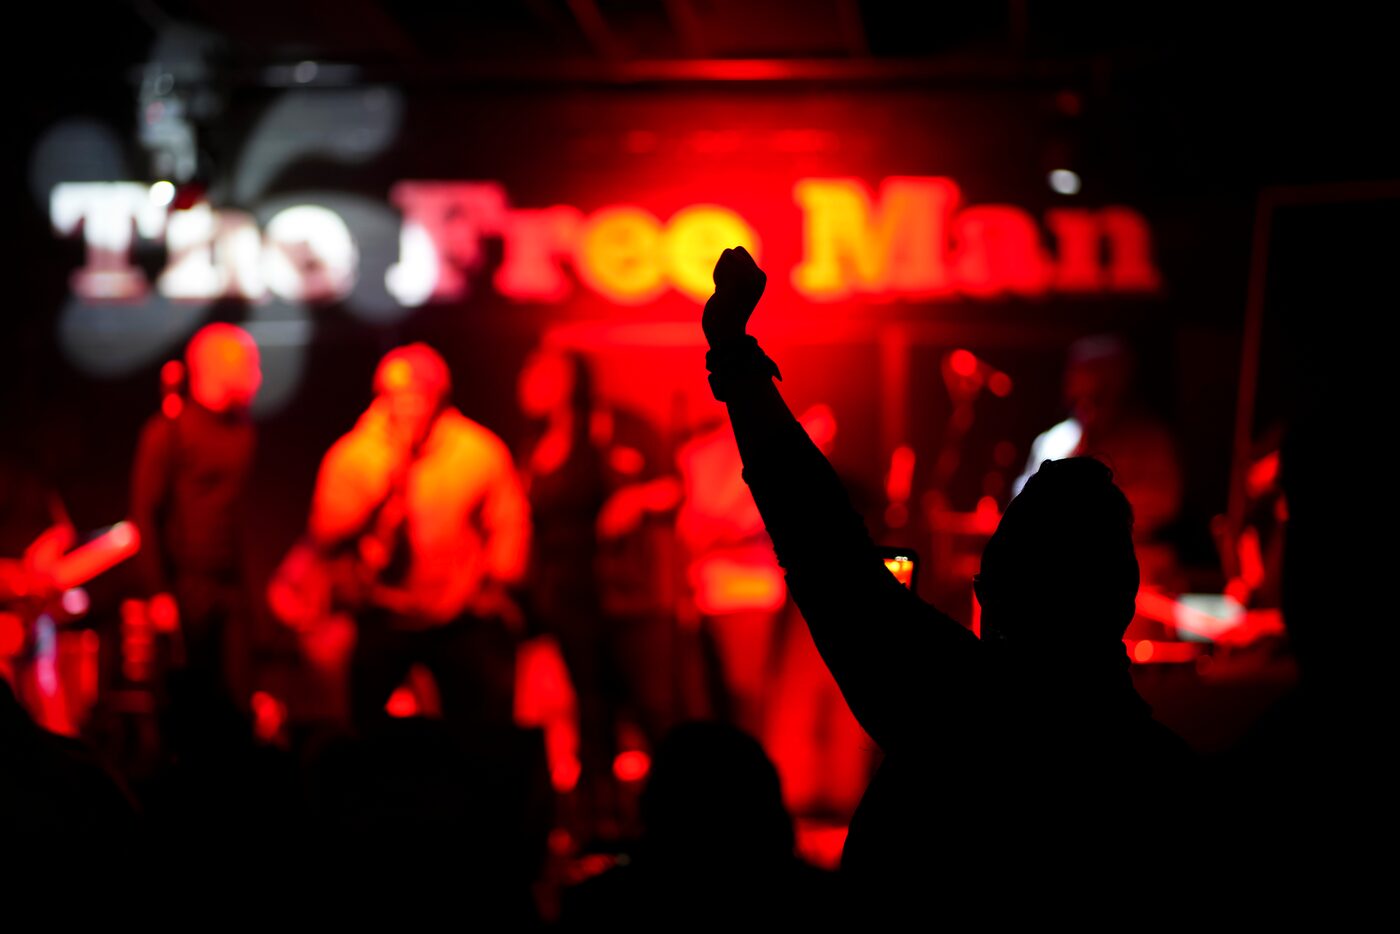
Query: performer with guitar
{"type": "Point", "coordinates": [424, 519]}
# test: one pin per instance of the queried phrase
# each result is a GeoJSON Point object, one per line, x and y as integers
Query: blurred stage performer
{"type": "Point", "coordinates": [423, 511]}
{"type": "Point", "coordinates": [588, 493]}
{"type": "Point", "coordinates": [1109, 422]}
{"type": "Point", "coordinates": [734, 576]}
{"type": "Point", "coordinates": [188, 499]}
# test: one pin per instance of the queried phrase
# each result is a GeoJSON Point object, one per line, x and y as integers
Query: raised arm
{"type": "Point", "coordinates": [894, 657]}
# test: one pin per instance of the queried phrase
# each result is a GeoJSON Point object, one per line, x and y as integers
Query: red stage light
{"type": "Point", "coordinates": [963, 362]}
{"type": "Point", "coordinates": [402, 704]}
{"type": "Point", "coordinates": [269, 716]}
{"type": "Point", "coordinates": [631, 766]}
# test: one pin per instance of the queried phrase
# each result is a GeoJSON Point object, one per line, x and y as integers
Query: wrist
{"type": "Point", "coordinates": [723, 338]}
{"type": "Point", "coordinates": [736, 362]}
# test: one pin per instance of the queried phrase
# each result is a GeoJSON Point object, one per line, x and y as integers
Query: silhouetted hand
{"type": "Point", "coordinates": [739, 284]}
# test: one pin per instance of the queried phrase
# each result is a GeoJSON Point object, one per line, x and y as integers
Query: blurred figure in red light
{"type": "Point", "coordinates": [734, 577]}
{"type": "Point", "coordinates": [1108, 421]}
{"type": "Point", "coordinates": [565, 479]}
{"type": "Point", "coordinates": [224, 368]}
{"type": "Point", "coordinates": [188, 497]}
{"type": "Point", "coordinates": [423, 511]}
{"type": "Point", "coordinates": [587, 494]}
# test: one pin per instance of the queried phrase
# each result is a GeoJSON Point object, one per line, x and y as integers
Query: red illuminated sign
{"type": "Point", "coordinates": [910, 238]}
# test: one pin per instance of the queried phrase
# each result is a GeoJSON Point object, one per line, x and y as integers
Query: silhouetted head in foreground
{"type": "Point", "coordinates": [714, 794]}
{"type": "Point", "coordinates": [1059, 577]}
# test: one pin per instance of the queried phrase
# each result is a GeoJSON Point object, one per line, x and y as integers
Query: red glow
{"type": "Point", "coordinates": [638, 142]}
{"type": "Point", "coordinates": [94, 557]}
{"type": "Point", "coordinates": [224, 367]}
{"type": "Point", "coordinates": [909, 238]}
{"type": "Point", "coordinates": [1142, 652]}
{"type": "Point", "coordinates": [164, 613]}
{"type": "Point", "coordinates": [171, 406]}
{"type": "Point", "coordinates": [1130, 267]}
{"type": "Point", "coordinates": [627, 461]}
{"type": "Point", "coordinates": [402, 704]}
{"type": "Point", "coordinates": [727, 586]}
{"type": "Point", "coordinates": [1000, 385]}
{"type": "Point", "coordinates": [11, 635]}
{"type": "Point", "coordinates": [631, 766]}
{"type": "Point", "coordinates": [963, 362]}
{"type": "Point", "coordinates": [561, 842]}
{"type": "Point", "coordinates": [901, 476]}
{"type": "Point", "coordinates": [536, 243]}
{"type": "Point", "coordinates": [820, 844]}
{"type": "Point", "coordinates": [999, 252]}
{"type": "Point", "coordinates": [136, 642]}
{"type": "Point", "coordinates": [988, 511]}
{"type": "Point", "coordinates": [1081, 234]}
{"type": "Point", "coordinates": [564, 773]}
{"type": "Point", "coordinates": [269, 716]}
{"type": "Point", "coordinates": [545, 698]}
{"type": "Point", "coordinates": [1263, 474]}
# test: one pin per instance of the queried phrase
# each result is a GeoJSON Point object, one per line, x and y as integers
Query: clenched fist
{"type": "Point", "coordinates": [739, 284]}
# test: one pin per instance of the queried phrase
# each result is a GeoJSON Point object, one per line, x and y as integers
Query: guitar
{"type": "Point", "coordinates": [34, 584]}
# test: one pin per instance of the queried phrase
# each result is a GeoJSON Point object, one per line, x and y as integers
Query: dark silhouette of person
{"type": "Point", "coordinates": [998, 752]}
{"type": "Point", "coordinates": [468, 814]}
{"type": "Point", "coordinates": [1311, 763]}
{"type": "Point", "coordinates": [717, 845]}
{"type": "Point", "coordinates": [565, 478]}
{"type": "Point", "coordinates": [216, 778]}
{"type": "Point", "coordinates": [53, 781]}
{"type": "Point", "coordinates": [189, 497]}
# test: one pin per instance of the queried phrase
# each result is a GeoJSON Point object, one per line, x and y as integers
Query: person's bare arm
{"type": "Point", "coordinates": [893, 655]}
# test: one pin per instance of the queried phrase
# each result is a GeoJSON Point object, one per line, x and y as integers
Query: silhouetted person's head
{"type": "Point", "coordinates": [224, 366]}
{"type": "Point", "coordinates": [413, 383]}
{"type": "Point", "coordinates": [1059, 577]}
{"type": "Point", "coordinates": [714, 793]}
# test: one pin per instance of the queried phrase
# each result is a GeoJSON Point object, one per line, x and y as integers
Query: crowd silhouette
{"type": "Point", "coordinates": [1012, 759]}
